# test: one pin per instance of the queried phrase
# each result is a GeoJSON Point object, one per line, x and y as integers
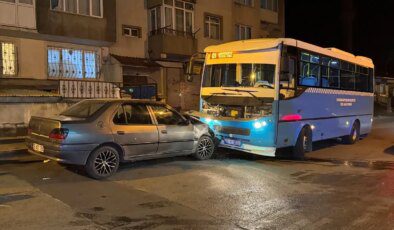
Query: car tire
{"type": "Point", "coordinates": [354, 135]}
{"type": "Point", "coordinates": [205, 148]}
{"type": "Point", "coordinates": [102, 163]}
{"type": "Point", "coordinates": [303, 143]}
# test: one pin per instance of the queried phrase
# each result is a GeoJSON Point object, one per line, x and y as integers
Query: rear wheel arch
{"type": "Point", "coordinates": [358, 122]}
{"type": "Point", "coordinates": [113, 145]}
{"type": "Point", "coordinates": [299, 130]}
{"type": "Point", "coordinates": [303, 142]}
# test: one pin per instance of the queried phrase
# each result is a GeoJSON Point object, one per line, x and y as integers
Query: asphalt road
{"type": "Point", "coordinates": [336, 187]}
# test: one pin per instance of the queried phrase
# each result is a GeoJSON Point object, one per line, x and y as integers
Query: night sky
{"type": "Point", "coordinates": [363, 28]}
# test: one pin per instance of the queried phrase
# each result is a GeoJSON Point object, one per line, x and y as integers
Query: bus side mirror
{"type": "Point", "coordinates": [195, 66]}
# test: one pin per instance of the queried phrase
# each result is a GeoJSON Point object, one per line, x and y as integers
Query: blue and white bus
{"type": "Point", "coordinates": [265, 94]}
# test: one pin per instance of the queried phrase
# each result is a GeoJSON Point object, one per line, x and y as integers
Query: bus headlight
{"type": "Point", "coordinates": [259, 125]}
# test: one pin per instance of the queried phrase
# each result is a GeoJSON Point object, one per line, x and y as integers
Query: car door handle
{"type": "Point", "coordinates": [164, 131]}
{"type": "Point", "coordinates": [120, 133]}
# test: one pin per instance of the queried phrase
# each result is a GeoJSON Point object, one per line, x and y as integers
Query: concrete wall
{"type": "Point", "coordinates": [20, 113]}
{"type": "Point", "coordinates": [15, 117]}
{"type": "Point", "coordinates": [131, 13]}
{"type": "Point", "coordinates": [73, 25]}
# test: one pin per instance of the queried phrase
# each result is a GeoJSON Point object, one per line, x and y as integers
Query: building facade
{"type": "Point", "coordinates": [52, 50]}
{"type": "Point", "coordinates": [156, 38]}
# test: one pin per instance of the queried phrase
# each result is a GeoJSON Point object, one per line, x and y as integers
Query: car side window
{"type": "Point", "coordinates": [120, 118]}
{"type": "Point", "coordinates": [129, 114]}
{"type": "Point", "coordinates": [165, 116]}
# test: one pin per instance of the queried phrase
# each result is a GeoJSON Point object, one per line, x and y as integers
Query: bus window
{"type": "Point", "coordinates": [330, 77]}
{"type": "Point", "coordinates": [309, 74]}
{"type": "Point", "coordinates": [236, 75]}
{"type": "Point", "coordinates": [362, 82]}
{"type": "Point", "coordinates": [347, 80]}
{"type": "Point", "coordinates": [362, 79]}
{"type": "Point", "coordinates": [288, 72]}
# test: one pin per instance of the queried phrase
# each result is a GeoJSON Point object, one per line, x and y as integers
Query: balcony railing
{"type": "Point", "coordinates": [169, 31]}
{"type": "Point", "coordinates": [88, 89]}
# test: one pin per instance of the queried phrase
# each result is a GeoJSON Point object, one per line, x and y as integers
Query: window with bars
{"type": "Point", "coordinates": [213, 26]}
{"type": "Point", "coordinates": [92, 8]}
{"type": "Point", "coordinates": [8, 60]}
{"type": "Point", "coordinates": [72, 63]}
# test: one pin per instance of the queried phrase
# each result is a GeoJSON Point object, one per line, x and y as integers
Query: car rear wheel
{"type": "Point", "coordinates": [103, 162]}
{"type": "Point", "coordinates": [205, 148]}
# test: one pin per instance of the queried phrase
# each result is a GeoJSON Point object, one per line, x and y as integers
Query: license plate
{"type": "Point", "coordinates": [228, 141]}
{"type": "Point", "coordinates": [38, 148]}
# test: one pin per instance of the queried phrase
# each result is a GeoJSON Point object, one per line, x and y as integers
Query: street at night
{"type": "Point", "coordinates": [336, 186]}
{"type": "Point", "coordinates": [196, 114]}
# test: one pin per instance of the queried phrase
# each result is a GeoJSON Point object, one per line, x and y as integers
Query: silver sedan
{"type": "Point", "coordinates": [99, 134]}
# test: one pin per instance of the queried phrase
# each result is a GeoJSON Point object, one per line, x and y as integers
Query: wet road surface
{"type": "Point", "coordinates": [335, 187]}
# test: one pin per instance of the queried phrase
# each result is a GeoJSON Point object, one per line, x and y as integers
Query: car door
{"type": "Point", "coordinates": [134, 129]}
{"type": "Point", "coordinates": [175, 132]}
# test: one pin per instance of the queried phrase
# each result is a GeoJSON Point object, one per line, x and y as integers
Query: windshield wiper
{"type": "Point", "coordinates": [250, 92]}
{"type": "Point", "coordinates": [223, 93]}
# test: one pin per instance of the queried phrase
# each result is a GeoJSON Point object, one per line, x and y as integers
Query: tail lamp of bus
{"type": "Point", "coordinates": [291, 117]}
{"type": "Point", "coordinates": [59, 134]}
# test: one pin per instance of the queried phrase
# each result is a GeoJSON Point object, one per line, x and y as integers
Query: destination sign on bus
{"type": "Point", "coordinates": [221, 55]}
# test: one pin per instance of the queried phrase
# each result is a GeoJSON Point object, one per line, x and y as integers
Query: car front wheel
{"type": "Point", "coordinates": [102, 163]}
{"type": "Point", "coordinates": [205, 148]}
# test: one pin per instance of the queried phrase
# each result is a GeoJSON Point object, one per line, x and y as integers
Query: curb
{"type": "Point", "coordinates": [12, 155]}
{"type": "Point", "coordinates": [11, 140]}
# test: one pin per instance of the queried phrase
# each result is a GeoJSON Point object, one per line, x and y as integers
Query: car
{"type": "Point", "coordinates": [99, 134]}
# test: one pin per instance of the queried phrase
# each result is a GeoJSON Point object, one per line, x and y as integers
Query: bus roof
{"type": "Point", "coordinates": [266, 43]}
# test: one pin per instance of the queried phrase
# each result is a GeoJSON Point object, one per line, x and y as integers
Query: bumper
{"type": "Point", "coordinates": [262, 151]}
{"type": "Point", "coordinates": [67, 154]}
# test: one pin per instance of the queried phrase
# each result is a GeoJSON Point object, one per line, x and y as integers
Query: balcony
{"type": "Point", "coordinates": [169, 44]}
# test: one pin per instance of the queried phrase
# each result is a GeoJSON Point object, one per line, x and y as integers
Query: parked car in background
{"type": "Point", "coordinates": [99, 134]}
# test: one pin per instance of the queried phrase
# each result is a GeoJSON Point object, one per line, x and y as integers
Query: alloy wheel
{"type": "Point", "coordinates": [105, 162]}
{"type": "Point", "coordinates": [205, 148]}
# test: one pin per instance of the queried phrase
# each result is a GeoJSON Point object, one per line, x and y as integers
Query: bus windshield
{"type": "Point", "coordinates": [239, 75]}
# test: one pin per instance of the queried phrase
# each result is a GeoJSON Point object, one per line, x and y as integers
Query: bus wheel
{"type": "Point", "coordinates": [304, 143]}
{"type": "Point", "coordinates": [354, 135]}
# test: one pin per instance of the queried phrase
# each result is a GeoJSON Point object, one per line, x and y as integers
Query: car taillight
{"type": "Point", "coordinates": [291, 117]}
{"type": "Point", "coordinates": [59, 134]}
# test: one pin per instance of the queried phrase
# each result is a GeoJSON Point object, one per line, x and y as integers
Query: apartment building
{"type": "Point", "coordinates": [52, 50]}
{"type": "Point", "coordinates": [156, 38]}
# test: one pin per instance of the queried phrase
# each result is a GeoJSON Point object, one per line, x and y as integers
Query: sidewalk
{"type": "Point", "coordinates": [23, 206]}
{"type": "Point", "coordinates": [13, 149]}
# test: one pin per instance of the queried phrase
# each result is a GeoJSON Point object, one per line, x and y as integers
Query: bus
{"type": "Point", "coordinates": [262, 95]}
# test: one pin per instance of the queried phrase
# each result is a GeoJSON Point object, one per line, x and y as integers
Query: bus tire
{"type": "Point", "coordinates": [354, 135]}
{"type": "Point", "coordinates": [303, 144]}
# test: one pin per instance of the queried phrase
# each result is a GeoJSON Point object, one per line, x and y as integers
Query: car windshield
{"type": "Point", "coordinates": [239, 75]}
{"type": "Point", "coordinates": [84, 109]}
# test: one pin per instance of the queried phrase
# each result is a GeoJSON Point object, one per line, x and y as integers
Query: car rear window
{"type": "Point", "coordinates": [84, 109]}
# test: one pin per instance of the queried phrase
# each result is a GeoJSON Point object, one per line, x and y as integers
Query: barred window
{"type": "Point", "coordinates": [8, 60]}
{"type": "Point", "coordinates": [72, 63]}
